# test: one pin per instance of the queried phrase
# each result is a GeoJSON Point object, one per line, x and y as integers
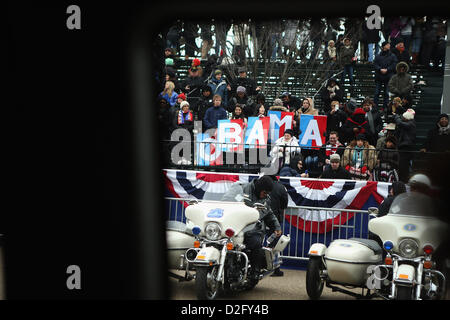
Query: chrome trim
{"type": "Point", "coordinates": [352, 262]}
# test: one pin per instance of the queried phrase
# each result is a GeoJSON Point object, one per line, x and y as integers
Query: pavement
{"type": "Point", "coordinates": [289, 287]}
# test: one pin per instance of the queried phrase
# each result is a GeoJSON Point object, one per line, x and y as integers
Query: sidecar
{"type": "Point", "coordinates": [345, 262]}
{"type": "Point", "coordinates": [179, 238]}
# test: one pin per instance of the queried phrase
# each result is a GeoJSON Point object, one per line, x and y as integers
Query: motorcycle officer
{"type": "Point", "coordinates": [253, 192]}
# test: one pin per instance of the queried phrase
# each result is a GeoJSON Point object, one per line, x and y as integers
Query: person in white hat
{"type": "Point", "coordinates": [405, 133]}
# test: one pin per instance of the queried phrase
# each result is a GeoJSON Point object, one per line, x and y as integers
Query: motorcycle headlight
{"type": "Point", "coordinates": [408, 248]}
{"type": "Point", "coordinates": [212, 231]}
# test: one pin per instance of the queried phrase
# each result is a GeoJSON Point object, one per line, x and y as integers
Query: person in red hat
{"type": "Point", "coordinates": [181, 97]}
{"type": "Point", "coordinates": [354, 125]}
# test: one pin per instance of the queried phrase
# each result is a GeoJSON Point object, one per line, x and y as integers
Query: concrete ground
{"type": "Point", "coordinates": [289, 287]}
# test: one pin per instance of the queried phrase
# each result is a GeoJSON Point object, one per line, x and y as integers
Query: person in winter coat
{"type": "Point", "coordinates": [214, 113]}
{"type": "Point", "coordinates": [396, 27]}
{"type": "Point", "coordinates": [193, 84]}
{"type": "Point", "coordinates": [190, 33]}
{"type": "Point", "coordinates": [169, 94]}
{"type": "Point", "coordinates": [242, 99]}
{"type": "Point", "coordinates": [165, 119]}
{"type": "Point", "coordinates": [346, 57]}
{"type": "Point", "coordinates": [372, 37]}
{"type": "Point", "coordinates": [171, 76]}
{"type": "Point", "coordinates": [401, 83]}
{"type": "Point", "coordinates": [384, 64]}
{"type": "Point", "coordinates": [401, 52]}
{"type": "Point", "coordinates": [332, 92]}
{"type": "Point", "coordinates": [417, 34]}
{"type": "Point", "coordinates": [291, 102]}
{"type": "Point", "coordinates": [336, 117]}
{"type": "Point", "coordinates": [307, 108]}
{"type": "Point", "coordinates": [330, 57]}
{"type": "Point", "coordinates": [405, 132]}
{"type": "Point", "coordinates": [354, 125]}
{"type": "Point", "coordinates": [185, 117]}
{"type": "Point", "coordinates": [219, 86]}
{"type": "Point", "coordinates": [294, 169]}
{"type": "Point", "coordinates": [395, 107]}
{"type": "Point", "coordinates": [373, 117]}
{"type": "Point", "coordinates": [204, 102]}
{"type": "Point", "coordinates": [359, 158]}
{"type": "Point", "coordinates": [332, 146]}
{"type": "Point", "coordinates": [438, 138]}
{"type": "Point", "coordinates": [285, 148]}
{"type": "Point", "coordinates": [278, 106]}
{"type": "Point", "coordinates": [244, 81]}
{"type": "Point", "coordinates": [334, 170]}
{"type": "Point", "coordinates": [388, 158]}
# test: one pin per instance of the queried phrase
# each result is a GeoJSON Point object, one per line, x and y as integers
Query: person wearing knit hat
{"type": "Point", "coordinates": [240, 89]}
{"type": "Point", "coordinates": [388, 160]}
{"type": "Point", "coordinates": [354, 125]}
{"type": "Point", "coordinates": [185, 117]}
{"type": "Point", "coordinates": [180, 99]}
{"type": "Point", "coordinates": [334, 170]}
{"type": "Point", "coordinates": [409, 114]}
{"type": "Point", "coordinates": [405, 132]}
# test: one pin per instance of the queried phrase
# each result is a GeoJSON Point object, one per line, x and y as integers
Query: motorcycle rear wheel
{"type": "Point", "coordinates": [206, 286]}
{"type": "Point", "coordinates": [314, 283]}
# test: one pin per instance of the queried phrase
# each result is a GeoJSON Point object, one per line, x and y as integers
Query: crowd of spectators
{"type": "Point", "coordinates": [369, 141]}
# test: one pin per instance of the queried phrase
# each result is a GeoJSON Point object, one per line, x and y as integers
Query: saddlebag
{"type": "Point", "coordinates": [348, 260]}
{"type": "Point", "coordinates": [178, 241]}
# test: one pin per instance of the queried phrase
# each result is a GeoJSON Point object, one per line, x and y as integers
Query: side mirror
{"type": "Point", "coordinates": [373, 211]}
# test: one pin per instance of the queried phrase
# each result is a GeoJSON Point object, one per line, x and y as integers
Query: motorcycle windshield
{"type": "Point", "coordinates": [413, 204]}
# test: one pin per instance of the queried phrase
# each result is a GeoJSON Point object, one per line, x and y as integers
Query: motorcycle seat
{"type": "Point", "coordinates": [371, 244]}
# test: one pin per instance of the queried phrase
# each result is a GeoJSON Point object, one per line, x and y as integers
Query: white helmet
{"type": "Point", "coordinates": [420, 178]}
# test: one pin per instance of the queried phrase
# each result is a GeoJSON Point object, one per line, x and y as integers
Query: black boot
{"type": "Point", "coordinates": [277, 273]}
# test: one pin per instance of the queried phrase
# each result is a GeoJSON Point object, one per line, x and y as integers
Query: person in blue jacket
{"type": "Point", "coordinates": [384, 64]}
{"type": "Point", "coordinates": [219, 86]}
{"type": "Point", "coordinates": [214, 113]}
{"type": "Point", "coordinates": [169, 93]}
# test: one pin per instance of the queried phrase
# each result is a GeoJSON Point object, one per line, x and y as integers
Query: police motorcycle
{"type": "Point", "coordinates": [214, 233]}
{"type": "Point", "coordinates": [409, 233]}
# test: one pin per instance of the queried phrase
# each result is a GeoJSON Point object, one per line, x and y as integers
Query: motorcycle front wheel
{"type": "Point", "coordinates": [404, 293]}
{"type": "Point", "coordinates": [206, 285]}
{"type": "Point", "coordinates": [314, 283]}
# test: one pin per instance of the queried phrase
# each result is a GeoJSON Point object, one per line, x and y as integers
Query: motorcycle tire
{"type": "Point", "coordinates": [314, 283]}
{"type": "Point", "coordinates": [206, 286]}
{"type": "Point", "coordinates": [404, 293]}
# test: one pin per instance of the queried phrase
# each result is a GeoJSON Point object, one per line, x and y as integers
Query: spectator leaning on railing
{"type": "Point", "coordinates": [359, 158]}
{"type": "Point", "coordinates": [334, 170]}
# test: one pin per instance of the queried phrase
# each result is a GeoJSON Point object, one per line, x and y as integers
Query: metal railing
{"type": "Point", "coordinates": [336, 224]}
